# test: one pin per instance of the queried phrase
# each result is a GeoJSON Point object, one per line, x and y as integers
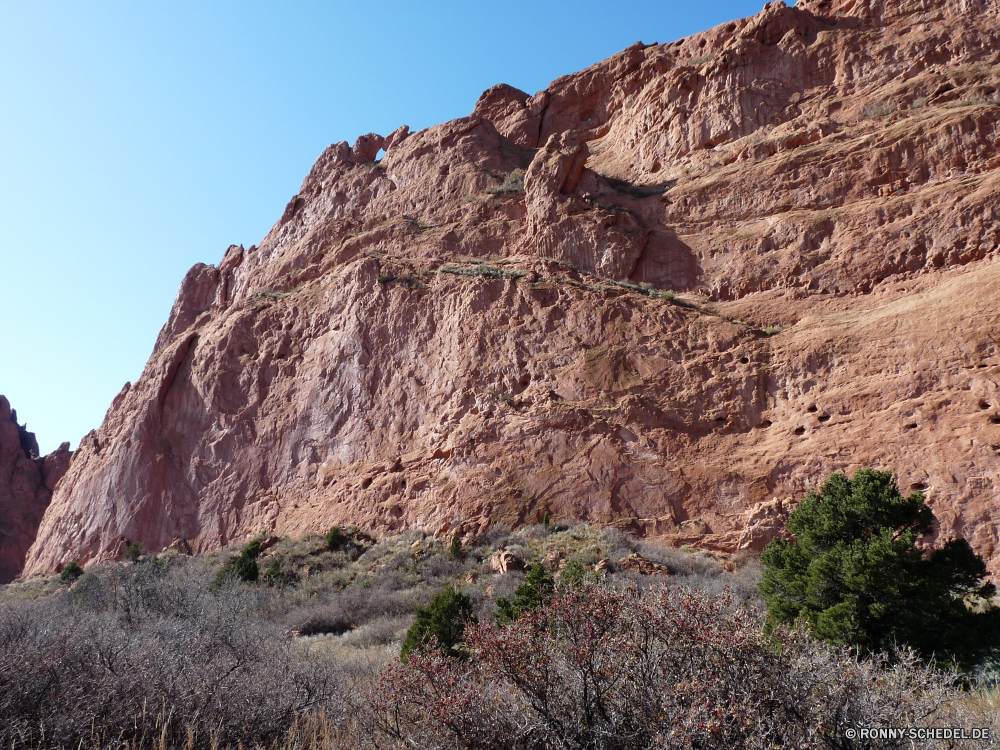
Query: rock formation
{"type": "Point", "coordinates": [26, 485]}
{"type": "Point", "coordinates": [739, 262]}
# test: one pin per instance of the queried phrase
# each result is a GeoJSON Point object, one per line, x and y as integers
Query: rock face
{"type": "Point", "coordinates": [421, 340]}
{"type": "Point", "coordinates": [26, 485]}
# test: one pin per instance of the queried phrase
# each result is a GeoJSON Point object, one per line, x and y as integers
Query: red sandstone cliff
{"type": "Point", "coordinates": [26, 485]}
{"type": "Point", "coordinates": [418, 341]}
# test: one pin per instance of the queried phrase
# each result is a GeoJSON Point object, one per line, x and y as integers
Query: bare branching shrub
{"type": "Point", "coordinates": [613, 537]}
{"type": "Point", "coordinates": [382, 631]}
{"type": "Point", "coordinates": [150, 655]}
{"type": "Point", "coordinates": [599, 668]}
{"type": "Point", "coordinates": [441, 567]}
{"type": "Point", "coordinates": [678, 561]}
{"type": "Point", "coordinates": [496, 535]}
{"type": "Point", "coordinates": [137, 653]}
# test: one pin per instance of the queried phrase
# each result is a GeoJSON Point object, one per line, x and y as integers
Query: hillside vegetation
{"type": "Point", "coordinates": [175, 651]}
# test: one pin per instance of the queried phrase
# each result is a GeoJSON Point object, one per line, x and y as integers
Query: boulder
{"type": "Point", "coordinates": [638, 564]}
{"type": "Point", "coordinates": [504, 561]}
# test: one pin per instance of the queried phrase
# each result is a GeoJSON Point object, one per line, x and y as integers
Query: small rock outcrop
{"type": "Point", "coordinates": [637, 564]}
{"type": "Point", "coordinates": [504, 561]}
{"type": "Point", "coordinates": [27, 481]}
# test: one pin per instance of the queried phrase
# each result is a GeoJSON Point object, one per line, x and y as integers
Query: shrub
{"type": "Point", "coordinates": [483, 269]}
{"type": "Point", "coordinates": [442, 623]}
{"type": "Point", "coordinates": [573, 574]}
{"type": "Point", "coordinates": [513, 183]}
{"type": "Point", "coordinates": [535, 591]}
{"type": "Point", "coordinates": [335, 539]}
{"type": "Point", "coordinates": [671, 668]}
{"type": "Point", "coordinates": [146, 658]}
{"type": "Point", "coordinates": [854, 574]}
{"type": "Point", "coordinates": [243, 568]}
{"type": "Point", "coordinates": [877, 110]}
{"type": "Point", "coordinates": [70, 572]}
{"type": "Point", "coordinates": [456, 551]}
{"type": "Point", "coordinates": [134, 551]}
{"type": "Point", "coordinates": [273, 574]}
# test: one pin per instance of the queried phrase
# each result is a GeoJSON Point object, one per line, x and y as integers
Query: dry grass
{"type": "Point", "coordinates": [147, 655]}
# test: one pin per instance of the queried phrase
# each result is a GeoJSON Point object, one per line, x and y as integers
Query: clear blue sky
{"type": "Point", "coordinates": [137, 139]}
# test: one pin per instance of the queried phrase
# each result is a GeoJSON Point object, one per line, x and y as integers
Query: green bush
{"type": "Point", "coordinates": [70, 572]}
{"type": "Point", "coordinates": [134, 551]}
{"type": "Point", "coordinates": [456, 551]}
{"type": "Point", "coordinates": [853, 573]}
{"type": "Point", "coordinates": [335, 539]}
{"type": "Point", "coordinates": [573, 574]}
{"type": "Point", "coordinates": [535, 591]}
{"type": "Point", "coordinates": [444, 620]}
{"type": "Point", "coordinates": [273, 571]}
{"type": "Point", "coordinates": [243, 568]}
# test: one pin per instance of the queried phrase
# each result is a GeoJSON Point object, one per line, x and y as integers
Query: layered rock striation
{"type": "Point", "coordinates": [671, 292]}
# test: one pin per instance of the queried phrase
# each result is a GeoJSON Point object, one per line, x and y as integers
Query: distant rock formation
{"type": "Point", "coordinates": [426, 339]}
{"type": "Point", "coordinates": [26, 485]}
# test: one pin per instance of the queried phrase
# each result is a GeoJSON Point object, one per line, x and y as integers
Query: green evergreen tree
{"type": "Point", "coordinates": [335, 539]}
{"type": "Point", "coordinates": [444, 619]}
{"type": "Point", "coordinates": [854, 574]}
{"type": "Point", "coordinates": [243, 567]}
{"type": "Point", "coordinates": [456, 550]}
{"type": "Point", "coordinates": [71, 572]}
{"type": "Point", "coordinates": [536, 589]}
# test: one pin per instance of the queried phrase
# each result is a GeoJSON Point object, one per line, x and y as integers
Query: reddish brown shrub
{"type": "Point", "coordinates": [675, 668]}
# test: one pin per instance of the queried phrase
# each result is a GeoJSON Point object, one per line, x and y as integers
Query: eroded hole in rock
{"type": "Point", "coordinates": [380, 154]}
{"type": "Point", "coordinates": [745, 360]}
{"type": "Point", "coordinates": [918, 486]}
{"type": "Point", "coordinates": [984, 404]}
{"type": "Point", "coordinates": [910, 426]}
{"type": "Point", "coordinates": [824, 418]}
{"type": "Point", "coordinates": [765, 424]}
{"type": "Point", "coordinates": [995, 419]}
{"type": "Point", "coordinates": [812, 409]}
{"type": "Point", "coordinates": [720, 420]}
{"type": "Point", "coordinates": [366, 484]}
{"type": "Point", "coordinates": [800, 430]}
